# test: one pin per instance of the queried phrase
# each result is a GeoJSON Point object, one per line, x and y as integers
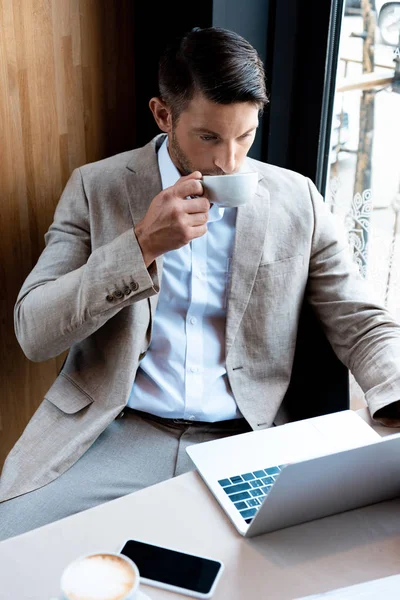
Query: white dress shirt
{"type": "Point", "coordinates": [183, 374]}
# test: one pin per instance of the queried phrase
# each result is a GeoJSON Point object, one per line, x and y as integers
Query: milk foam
{"type": "Point", "coordinates": [98, 577]}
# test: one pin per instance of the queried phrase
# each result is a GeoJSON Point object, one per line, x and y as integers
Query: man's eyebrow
{"type": "Point", "coordinates": [203, 130]}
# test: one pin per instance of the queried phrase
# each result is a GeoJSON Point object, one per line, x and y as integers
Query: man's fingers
{"type": "Point", "coordinates": [199, 231]}
{"type": "Point", "coordinates": [189, 187]}
{"type": "Point", "coordinates": [196, 205]}
{"type": "Point", "coordinates": [196, 219]}
{"type": "Point", "coordinates": [194, 175]}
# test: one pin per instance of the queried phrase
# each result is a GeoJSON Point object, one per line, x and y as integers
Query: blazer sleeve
{"type": "Point", "coordinates": [67, 295]}
{"type": "Point", "coordinates": [363, 334]}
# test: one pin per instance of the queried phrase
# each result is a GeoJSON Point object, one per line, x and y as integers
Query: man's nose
{"type": "Point", "coordinates": [225, 160]}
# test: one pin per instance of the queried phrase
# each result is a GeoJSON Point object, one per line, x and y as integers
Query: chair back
{"type": "Point", "coordinates": [320, 381]}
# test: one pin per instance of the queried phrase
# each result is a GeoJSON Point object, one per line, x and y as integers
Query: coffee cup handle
{"type": "Point", "coordinates": [202, 185]}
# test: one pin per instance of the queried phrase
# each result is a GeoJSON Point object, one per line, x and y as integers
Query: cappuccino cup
{"type": "Point", "coordinates": [230, 191]}
{"type": "Point", "coordinates": [103, 576]}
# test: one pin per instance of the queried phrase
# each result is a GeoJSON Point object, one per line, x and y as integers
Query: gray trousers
{"type": "Point", "coordinates": [133, 452]}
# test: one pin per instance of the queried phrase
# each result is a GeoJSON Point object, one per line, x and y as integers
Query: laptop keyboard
{"type": "Point", "coordinates": [248, 490]}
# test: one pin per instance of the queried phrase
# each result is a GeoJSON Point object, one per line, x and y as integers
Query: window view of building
{"type": "Point", "coordinates": [363, 185]}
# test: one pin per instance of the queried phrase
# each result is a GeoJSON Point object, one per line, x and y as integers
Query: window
{"type": "Point", "coordinates": [363, 179]}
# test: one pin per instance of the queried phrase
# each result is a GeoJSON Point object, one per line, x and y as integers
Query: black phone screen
{"type": "Point", "coordinates": [172, 567]}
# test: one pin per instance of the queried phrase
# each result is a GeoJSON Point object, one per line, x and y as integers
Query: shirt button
{"type": "Point", "coordinates": [193, 320]}
{"type": "Point", "coordinates": [194, 369]}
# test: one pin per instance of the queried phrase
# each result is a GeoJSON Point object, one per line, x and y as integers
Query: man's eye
{"type": "Point", "coordinates": [207, 138]}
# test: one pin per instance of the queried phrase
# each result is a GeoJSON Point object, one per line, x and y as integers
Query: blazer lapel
{"type": "Point", "coordinates": [144, 180]}
{"type": "Point", "coordinates": [143, 184]}
{"type": "Point", "coordinates": [251, 226]}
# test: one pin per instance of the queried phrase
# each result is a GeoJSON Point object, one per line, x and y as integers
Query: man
{"type": "Point", "coordinates": [179, 317]}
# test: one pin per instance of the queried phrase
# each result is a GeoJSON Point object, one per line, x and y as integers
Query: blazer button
{"type": "Point", "coordinates": [110, 298]}
{"type": "Point", "coordinates": [118, 294]}
{"type": "Point", "coordinates": [134, 286]}
{"type": "Point", "coordinates": [127, 291]}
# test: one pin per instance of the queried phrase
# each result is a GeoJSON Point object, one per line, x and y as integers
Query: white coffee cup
{"type": "Point", "coordinates": [100, 576]}
{"type": "Point", "coordinates": [230, 190]}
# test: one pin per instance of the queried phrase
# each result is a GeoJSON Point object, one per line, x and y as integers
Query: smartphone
{"type": "Point", "coordinates": [169, 569]}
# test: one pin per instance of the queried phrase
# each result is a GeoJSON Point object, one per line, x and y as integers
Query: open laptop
{"type": "Point", "coordinates": [270, 479]}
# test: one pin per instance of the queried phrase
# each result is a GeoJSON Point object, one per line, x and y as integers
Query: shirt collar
{"type": "Point", "coordinates": [170, 175]}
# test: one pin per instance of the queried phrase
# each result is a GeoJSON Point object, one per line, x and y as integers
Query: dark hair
{"type": "Point", "coordinates": [216, 62]}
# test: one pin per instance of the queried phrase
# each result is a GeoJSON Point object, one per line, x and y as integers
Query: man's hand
{"type": "Point", "coordinates": [173, 220]}
{"type": "Point", "coordinates": [389, 415]}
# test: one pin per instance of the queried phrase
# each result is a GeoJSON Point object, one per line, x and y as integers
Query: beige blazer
{"type": "Point", "coordinates": [90, 292]}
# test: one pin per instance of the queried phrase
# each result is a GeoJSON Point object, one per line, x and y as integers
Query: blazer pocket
{"type": "Point", "coordinates": [66, 395]}
{"type": "Point", "coordinates": [279, 268]}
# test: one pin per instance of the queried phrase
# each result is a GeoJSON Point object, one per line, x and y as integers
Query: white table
{"type": "Point", "coordinates": [313, 557]}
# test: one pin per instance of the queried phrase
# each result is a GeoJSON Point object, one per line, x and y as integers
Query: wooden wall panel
{"type": "Point", "coordinates": [66, 99]}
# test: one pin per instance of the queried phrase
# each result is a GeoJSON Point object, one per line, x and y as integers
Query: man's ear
{"type": "Point", "coordinates": [161, 114]}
